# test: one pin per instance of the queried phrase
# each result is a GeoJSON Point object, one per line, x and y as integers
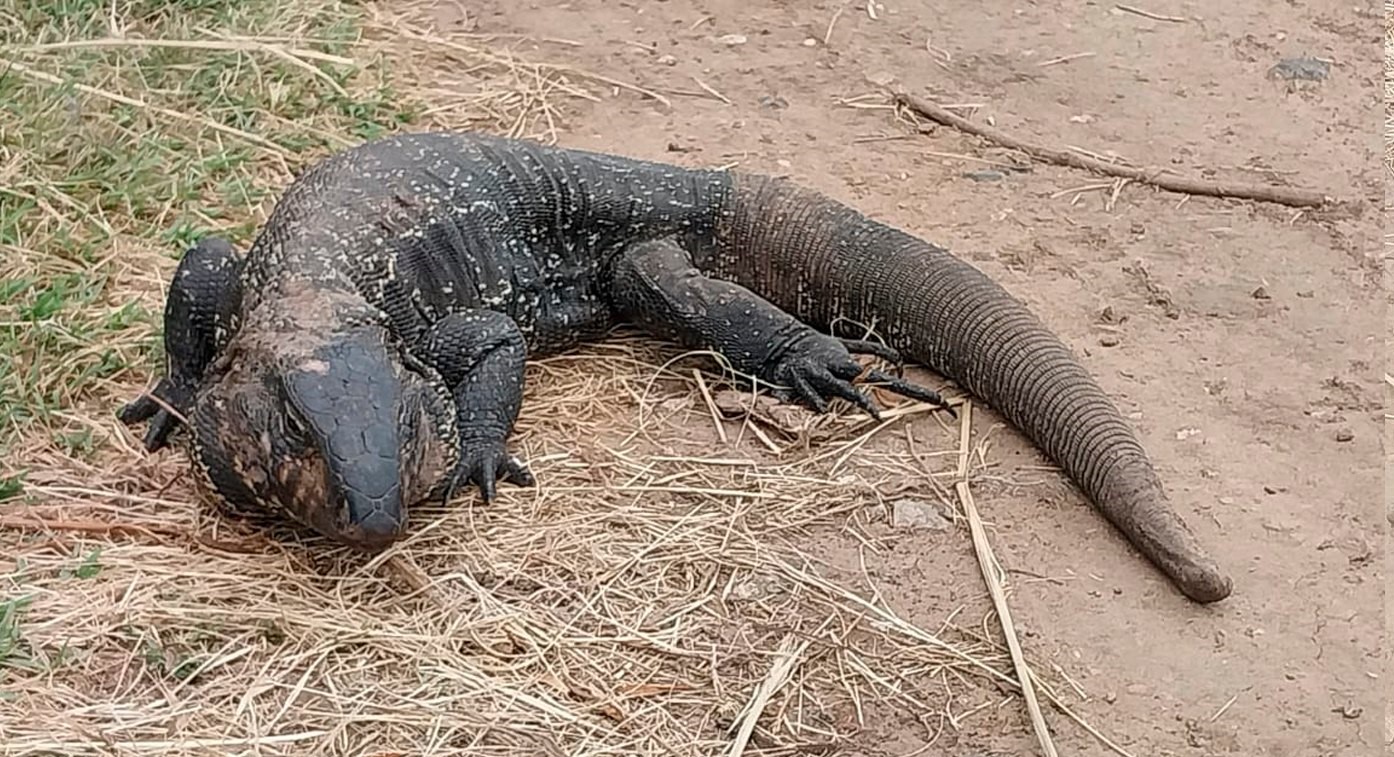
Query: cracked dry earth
{"type": "Point", "coordinates": [1242, 338]}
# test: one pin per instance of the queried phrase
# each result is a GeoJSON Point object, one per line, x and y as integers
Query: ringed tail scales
{"type": "Point", "coordinates": [819, 259]}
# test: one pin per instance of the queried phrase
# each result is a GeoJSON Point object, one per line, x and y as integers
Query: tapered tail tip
{"type": "Point", "coordinates": [1137, 505]}
{"type": "Point", "coordinates": [1204, 583]}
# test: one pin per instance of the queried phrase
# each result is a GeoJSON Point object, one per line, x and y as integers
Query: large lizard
{"type": "Point", "coordinates": [367, 352]}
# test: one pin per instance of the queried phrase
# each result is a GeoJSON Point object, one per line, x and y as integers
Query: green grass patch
{"type": "Point", "coordinates": [106, 188]}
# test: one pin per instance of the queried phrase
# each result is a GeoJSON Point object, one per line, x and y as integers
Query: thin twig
{"type": "Point", "coordinates": [1065, 59]}
{"type": "Point", "coordinates": [711, 406]}
{"type": "Point", "coordinates": [20, 523]}
{"type": "Point", "coordinates": [242, 44]}
{"type": "Point", "coordinates": [708, 89]}
{"type": "Point", "coordinates": [1150, 14]}
{"type": "Point", "coordinates": [828, 35]}
{"type": "Point", "coordinates": [987, 562]}
{"type": "Point", "coordinates": [1186, 185]}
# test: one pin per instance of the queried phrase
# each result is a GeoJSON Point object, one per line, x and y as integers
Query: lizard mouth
{"type": "Point", "coordinates": [370, 533]}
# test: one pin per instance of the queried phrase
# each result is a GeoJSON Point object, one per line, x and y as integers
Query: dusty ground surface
{"type": "Point", "coordinates": [1243, 339]}
{"type": "Point", "coordinates": [1243, 398]}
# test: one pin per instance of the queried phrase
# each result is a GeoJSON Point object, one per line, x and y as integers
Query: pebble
{"type": "Point", "coordinates": [1108, 340]}
{"type": "Point", "coordinates": [810, 42]}
{"type": "Point", "coordinates": [731, 40]}
{"type": "Point", "coordinates": [668, 60]}
{"type": "Point", "coordinates": [986, 174]}
{"type": "Point", "coordinates": [1344, 435]}
{"type": "Point", "coordinates": [914, 513]}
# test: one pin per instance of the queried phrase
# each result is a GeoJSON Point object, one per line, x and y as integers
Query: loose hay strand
{"type": "Point", "coordinates": [992, 575]}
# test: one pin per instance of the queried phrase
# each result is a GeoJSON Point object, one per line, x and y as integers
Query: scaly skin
{"type": "Point", "coordinates": [368, 351]}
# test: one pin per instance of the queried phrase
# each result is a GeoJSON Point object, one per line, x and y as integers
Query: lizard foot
{"type": "Point", "coordinates": [164, 407]}
{"type": "Point", "coordinates": [484, 465]}
{"type": "Point", "coordinates": [822, 368]}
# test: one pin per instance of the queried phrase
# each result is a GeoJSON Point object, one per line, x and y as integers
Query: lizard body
{"type": "Point", "coordinates": [367, 352]}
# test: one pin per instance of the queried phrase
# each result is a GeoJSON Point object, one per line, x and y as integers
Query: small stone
{"type": "Point", "coordinates": [1108, 340]}
{"type": "Point", "coordinates": [986, 174]}
{"type": "Point", "coordinates": [782, 163]}
{"type": "Point", "coordinates": [1306, 294]}
{"type": "Point", "coordinates": [668, 60]}
{"type": "Point", "coordinates": [1261, 294]}
{"type": "Point", "coordinates": [731, 40]}
{"type": "Point", "coordinates": [1344, 435]}
{"type": "Point", "coordinates": [1302, 69]}
{"type": "Point", "coordinates": [917, 514]}
{"type": "Point", "coordinates": [810, 42]}
{"type": "Point", "coordinates": [1111, 697]}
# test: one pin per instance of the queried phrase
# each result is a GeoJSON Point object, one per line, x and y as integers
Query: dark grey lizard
{"type": "Point", "coordinates": [367, 352]}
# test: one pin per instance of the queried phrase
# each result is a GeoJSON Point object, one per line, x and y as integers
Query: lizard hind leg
{"type": "Point", "coordinates": [202, 296]}
{"type": "Point", "coordinates": [481, 355]}
{"type": "Point", "coordinates": [655, 285]}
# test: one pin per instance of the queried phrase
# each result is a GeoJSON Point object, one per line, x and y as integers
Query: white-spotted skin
{"type": "Point", "coordinates": [426, 225]}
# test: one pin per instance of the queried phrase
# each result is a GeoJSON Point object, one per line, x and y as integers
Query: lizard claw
{"type": "Point", "coordinates": [819, 369]}
{"type": "Point", "coordinates": [164, 407]}
{"type": "Point", "coordinates": [822, 368]}
{"type": "Point", "coordinates": [484, 465]}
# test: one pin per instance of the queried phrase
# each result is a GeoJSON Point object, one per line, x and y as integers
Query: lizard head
{"type": "Point", "coordinates": [315, 430]}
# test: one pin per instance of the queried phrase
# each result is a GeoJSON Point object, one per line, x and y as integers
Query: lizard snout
{"type": "Point", "coordinates": [349, 398]}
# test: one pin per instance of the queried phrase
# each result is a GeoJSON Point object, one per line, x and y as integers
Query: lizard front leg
{"type": "Point", "coordinates": [656, 286]}
{"type": "Point", "coordinates": [481, 355]}
{"type": "Point", "coordinates": [204, 293]}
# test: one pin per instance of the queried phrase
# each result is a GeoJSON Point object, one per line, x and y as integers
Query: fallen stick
{"type": "Point", "coordinates": [1302, 198]}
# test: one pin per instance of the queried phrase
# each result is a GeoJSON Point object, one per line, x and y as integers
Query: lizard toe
{"type": "Point", "coordinates": [909, 389]}
{"type": "Point", "coordinates": [833, 386]}
{"type": "Point", "coordinates": [516, 472]}
{"type": "Point", "coordinates": [875, 349]}
{"type": "Point", "coordinates": [483, 467]}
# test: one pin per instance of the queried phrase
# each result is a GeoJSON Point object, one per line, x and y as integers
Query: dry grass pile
{"type": "Point", "coordinates": [648, 598]}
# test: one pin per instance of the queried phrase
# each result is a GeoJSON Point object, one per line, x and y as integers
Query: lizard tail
{"type": "Point", "coordinates": [820, 260]}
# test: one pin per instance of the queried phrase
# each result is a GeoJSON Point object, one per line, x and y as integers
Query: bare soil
{"type": "Point", "coordinates": [1242, 338]}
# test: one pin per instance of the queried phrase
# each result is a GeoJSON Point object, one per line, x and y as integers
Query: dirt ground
{"type": "Point", "coordinates": [1250, 362]}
